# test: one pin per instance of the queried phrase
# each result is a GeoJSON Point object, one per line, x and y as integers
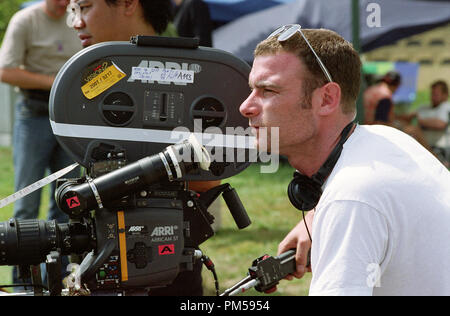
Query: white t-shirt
{"type": "Point", "coordinates": [442, 111]}
{"type": "Point", "coordinates": [382, 225]}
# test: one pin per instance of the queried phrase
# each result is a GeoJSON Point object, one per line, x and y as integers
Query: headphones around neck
{"type": "Point", "coordinates": [304, 192]}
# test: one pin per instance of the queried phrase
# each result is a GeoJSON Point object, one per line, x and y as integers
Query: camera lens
{"type": "Point", "coordinates": [27, 241]}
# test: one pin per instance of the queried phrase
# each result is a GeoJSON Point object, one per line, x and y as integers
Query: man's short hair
{"type": "Point", "coordinates": [441, 84]}
{"type": "Point", "coordinates": [158, 13]}
{"type": "Point", "coordinates": [338, 56]}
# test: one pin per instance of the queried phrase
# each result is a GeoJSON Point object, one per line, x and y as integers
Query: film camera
{"type": "Point", "coordinates": [126, 112]}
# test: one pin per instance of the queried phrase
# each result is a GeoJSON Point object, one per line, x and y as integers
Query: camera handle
{"type": "Point", "coordinates": [232, 200]}
{"type": "Point", "coordinates": [161, 41]}
{"type": "Point", "coordinates": [265, 273]}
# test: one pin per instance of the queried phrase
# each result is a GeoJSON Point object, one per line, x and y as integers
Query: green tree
{"type": "Point", "coordinates": [7, 10]}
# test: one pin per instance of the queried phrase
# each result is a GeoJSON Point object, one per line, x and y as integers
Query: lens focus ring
{"type": "Point", "coordinates": [25, 241]}
{"type": "Point", "coordinates": [28, 234]}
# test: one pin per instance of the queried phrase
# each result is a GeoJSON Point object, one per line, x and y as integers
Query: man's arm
{"type": "Point", "coordinates": [432, 123]}
{"type": "Point", "coordinates": [25, 79]}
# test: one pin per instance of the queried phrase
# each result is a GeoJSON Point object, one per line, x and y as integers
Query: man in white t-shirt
{"type": "Point", "coordinates": [379, 201]}
{"type": "Point", "coordinates": [434, 119]}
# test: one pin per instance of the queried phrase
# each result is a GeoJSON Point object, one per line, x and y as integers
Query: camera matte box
{"type": "Point", "coordinates": [140, 99]}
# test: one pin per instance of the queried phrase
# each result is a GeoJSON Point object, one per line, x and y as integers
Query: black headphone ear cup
{"type": "Point", "coordinates": [303, 192]}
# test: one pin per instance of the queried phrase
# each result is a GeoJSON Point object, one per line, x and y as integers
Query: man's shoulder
{"type": "Point", "coordinates": [445, 105]}
{"type": "Point", "coordinates": [25, 14]}
{"type": "Point", "coordinates": [378, 92]}
{"type": "Point", "coordinates": [373, 153]}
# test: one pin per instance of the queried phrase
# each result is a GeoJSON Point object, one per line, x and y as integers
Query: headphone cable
{"type": "Point", "coordinates": [306, 225]}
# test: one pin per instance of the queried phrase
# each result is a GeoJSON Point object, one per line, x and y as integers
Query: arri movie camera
{"type": "Point", "coordinates": [144, 119]}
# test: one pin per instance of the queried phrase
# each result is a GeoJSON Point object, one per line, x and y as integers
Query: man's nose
{"type": "Point", "coordinates": [249, 108]}
{"type": "Point", "coordinates": [78, 23]}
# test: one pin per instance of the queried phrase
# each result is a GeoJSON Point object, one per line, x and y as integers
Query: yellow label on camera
{"type": "Point", "coordinates": [103, 81]}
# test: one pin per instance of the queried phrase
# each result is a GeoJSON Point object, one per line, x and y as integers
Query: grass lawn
{"type": "Point", "coordinates": [232, 250]}
{"type": "Point", "coordinates": [6, 188]}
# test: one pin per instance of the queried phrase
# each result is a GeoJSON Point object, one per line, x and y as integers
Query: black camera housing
{"type": "Point", "coordinates": [107, 114]}
{"type": "Point", "coordinates": [134, 220]}
{"type": "Point", "coordinates": [202, 94]}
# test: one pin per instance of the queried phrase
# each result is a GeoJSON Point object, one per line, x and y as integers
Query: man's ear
{"type": "Point", "coordinates": [328, 98]}
{"type": "Point", "coordinates": [130, 6]}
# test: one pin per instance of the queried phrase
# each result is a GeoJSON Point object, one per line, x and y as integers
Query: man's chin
{"type": "Point", "coordinates": [263, 147]}
{"type": "Point", "coordinates": [86, 42]}
{"type": "Point", "coordinates": [266, 143]}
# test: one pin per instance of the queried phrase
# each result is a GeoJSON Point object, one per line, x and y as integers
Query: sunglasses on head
{"type": "Point", "coordinates": [285, 32]}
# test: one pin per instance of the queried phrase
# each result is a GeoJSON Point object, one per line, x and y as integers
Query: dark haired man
{"type": "Point", "coordinates": [380, 202]}
{"type": "Point", "coordinates": [118, 20]}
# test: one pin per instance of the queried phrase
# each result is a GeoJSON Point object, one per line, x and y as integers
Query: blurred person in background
{"type": "Point", "coordinates": [379, 107]}
{"type": "Point", "coordinates": [36, 45]}
{"type": "Point", "coordinates": [434, 119]}
{"type": "Point", "coordinates": [378, 103]}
